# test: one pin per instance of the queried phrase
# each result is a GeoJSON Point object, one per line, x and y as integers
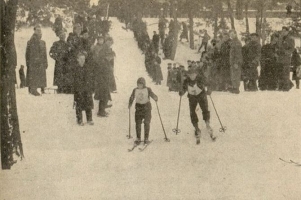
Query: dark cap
{"type": "Point", "coordinates": [141, 80]}
{"type": "Point", "coordinates": [285, 28]}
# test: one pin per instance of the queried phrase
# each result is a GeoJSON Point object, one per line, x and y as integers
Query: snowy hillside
{"type": "Point", "coordinates": [67, 161]}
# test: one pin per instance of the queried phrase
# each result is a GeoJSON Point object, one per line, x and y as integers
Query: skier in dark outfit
{"type": "Point", "coordinates": [143, 108]}
{"type": "Point", "coordinates": [195, 85]}
{"type": "Point", "coordinates": [83, 89]}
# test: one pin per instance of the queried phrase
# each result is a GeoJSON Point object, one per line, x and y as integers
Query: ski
{"type": "Point", "coordinates": [290, 162]}
{"type": "Point", "coordinates": [145, 146]}
{"type": "Point", "coordinates": [134, 147]}
{"type": "Point", "coordinates": [213, 138]}
{"type": "Point", "coordinates": [296, 163]}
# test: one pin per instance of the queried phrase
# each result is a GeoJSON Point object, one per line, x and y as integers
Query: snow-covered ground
{"type": "Point", "coordinates": [66, 161]}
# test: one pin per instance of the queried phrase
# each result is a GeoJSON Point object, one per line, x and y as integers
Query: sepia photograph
{"type": "Point", "coordinates": [150, 99]}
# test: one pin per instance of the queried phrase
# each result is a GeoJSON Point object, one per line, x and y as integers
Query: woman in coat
{"type": "Point", "coordinates": [59, 52]}
{"type": "Point", "coordinates": [101, 70]}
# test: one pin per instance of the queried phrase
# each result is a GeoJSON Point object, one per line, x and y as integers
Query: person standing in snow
{"type": "Point", "coordinates": [205, 41]}
{"type": "Point", "coordinates": [268, 65]}
{"type": "Point", "coordinates": [236, 61]}
{"type": "Point", "coordinates": [157, 67]}
{"type": "Point", "coordinates": [224, 69]}
{"type": "Point", "coordinates": [155, 41]}
{"type": "Point", "coordinates": [74, 42]}
{"type": "Point", "coordinates": [296, 63]}
{"type": "Point", "coordinates": [195, 84]}
{"type": "Point", "coordinates": [59, 52]}
{"type": "Point", "coordinates": [143, 107]}
{"type": "Point", "coordinates": [83, 89]}
{"type": "Point", "coordinates": [184, 33]}
{"type": "Point", "coordinates": [253, 53]}
{"type": "Point", "coordinates": [36, 62]}
{"type": "Point", "coordinates": [286, 47]}
{"type": "Point", "coordinates": [162, 26]}
{"type": "Point", "coordinates": [101, 71]}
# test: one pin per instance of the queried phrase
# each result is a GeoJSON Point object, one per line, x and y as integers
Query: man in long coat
{"type": "Point", "coordinates": [75, 46]}
{"type": "Point", "coordinates": [36, 62]}
{"type": "Point", "coordinates": [285, 50]}
{"type": "Point", "coordinates": [252, 60]}
{"type": "Point", "coordinates": [59, 52]}
{"type": "Point", "coordinates": [224, 70]}
{"type": "Point", "coordinates": [268, 74]}
{"type": "Point", "coordinates": [236, 61]}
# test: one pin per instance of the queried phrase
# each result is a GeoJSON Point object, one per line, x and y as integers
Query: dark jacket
{"type": "Point", "coordinates": [286, 47]}
{"type": "Point", "coordinates": [83, 86]}
{"type": "Point", "coordinates": [102, 73]}
{"type": "Point", "coordinates": [36, 62]}
{"type": "Point", "coordinates": [200, 82]}
{"type": "Point", "coordinates": [59, 52]}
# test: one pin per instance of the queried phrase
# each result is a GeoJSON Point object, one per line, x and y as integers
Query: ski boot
{"type": "Point", "coordinates": [210, 131]}
{"type": "Point", "coordinates": [90, 122]}
{"type": "Point", "coordinates": [137, 141]}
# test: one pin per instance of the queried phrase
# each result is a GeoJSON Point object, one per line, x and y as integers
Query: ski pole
{"type": "Point", "coordinates": [129, 135]}
{"type": "Point", "coordinates": [177, 130]}
{"type": "Point", "coordinates": [166, 139]}
{"type": "Point", "coordinates": [223, 128]}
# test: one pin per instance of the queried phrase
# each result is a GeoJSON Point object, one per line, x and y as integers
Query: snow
{"type": "Point", "coordinates": [66, 161]}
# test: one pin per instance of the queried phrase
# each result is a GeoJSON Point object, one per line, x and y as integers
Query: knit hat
{"type": "Point", "coordinates": [141, 80]}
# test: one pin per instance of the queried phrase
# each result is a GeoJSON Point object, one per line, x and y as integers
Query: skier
{"type": "Point", "coordinates": [195, 85]}
{"type": "Point", "coordinates": [143, 109]}
{"type": "Point", "coordinates": [83, 89]}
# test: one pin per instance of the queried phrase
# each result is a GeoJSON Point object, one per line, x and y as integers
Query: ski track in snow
{"type": "Point", "coordinates": [66, 161]}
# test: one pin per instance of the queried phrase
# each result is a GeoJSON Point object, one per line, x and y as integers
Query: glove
{"type": "Point", "coordinates": [156, 99]}
{"type": "Point", "coordinates": [181, 93]}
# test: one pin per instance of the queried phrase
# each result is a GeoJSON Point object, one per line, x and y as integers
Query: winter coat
{"type": "Point", "coordinates": [268, 76]}
{"type": "Point", "coordinates": [286, 47]}
{"type": "Point", "coordinates": [59, 52]}
{"type": "Point", "coordinates": [158, 75]}
{"type": "Point", "coordinates": [236, 59]}
{"type": "Point", "coordinates": [83, 86]}
{"type": "Point", "coordinates": [251, 61]}
{"type": "Point", "coordinates": [296, 62]}
{"type": "Point", "coordinates": [169, 79]}
{"type": "Point", "coordinates": [36, 62]}
{"type": "Point", "coordinates": [102, 73]}
{"type": "Point", "coordinates": [225, 60]}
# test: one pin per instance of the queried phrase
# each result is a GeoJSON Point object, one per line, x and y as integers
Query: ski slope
{"type": "Point", "coordinates": [67, 161]}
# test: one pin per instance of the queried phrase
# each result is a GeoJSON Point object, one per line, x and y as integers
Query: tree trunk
{"type": "Point", "coordinates": [191, 33]}
{"type": "Point", "coordinates": [175, 31]}
{"type": "Point", "coordinates": [230, 11]}
{"type": "Point", "coordinates": [239, 9]}
{"type": "Point", "coordinates": [10, 134]}
{"type": "Point", "coordinates": [247, 18]}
